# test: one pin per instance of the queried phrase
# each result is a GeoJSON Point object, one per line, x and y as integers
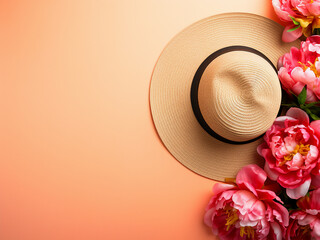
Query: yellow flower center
{"type": "Point", "coordinates": [230, 180]}
{"type": "Point", "coordinates": [303, 232]}
{"type": "Point", "coordinates": [300, 148]}
{"type": "Point", "coordinates": [232, 218]}
{"type": "Point", "coordinates": [308, 23]}
{"type": "Point", "coordinates": [312, 67]}
{"type": "Point", "coordinates": [249, 231]}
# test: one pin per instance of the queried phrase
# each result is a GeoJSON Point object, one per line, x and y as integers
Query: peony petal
{"type": "Point", "coordinates": [299, 191]}
{"type": "Point", "coordinates": [293, 35]}
{"type": "Point", "coordinates": [296, 163]}
{"type": "Point", "coordinates": [221, 187]}
{"type": "Point", "coordinates": [282, 122]}
{"type": "Point", "coordinates": [300, 6]}
{"type": "Point", "coordinates": [243, 201]}
{"type": "Point", "coordinates": [264, 194]}
{"type": "Point", "coordinates": [314, 199]}
{"type": "Point", "coordinates": [307, 219]}
{"type": "Point", "coordinates": [218, 224]}
{"type": "Point", "coordinates": [282, 12]}
{"type": "Point", "coordinates": [276, 230]}
{"type": "Point", "coordinates": [251, 177]}
{"type": "Point", "coordinates": [285, 78]}
{"type": "Point", "coordinates": [280, 64]}
{"type": "Point", "coordinates": [291, 229]}
{"type": "Point", "coordinates": [312, 155]}
{"type": "Point", "coordinates": [279, 212]}
{"type": "Point", "coordinates": [314, 8]}
{"type": "Point", "coordinates": [271, 174]}
{"type": "Point", "coordinates": [315, 125]}
{"type": "Point", "coordinates": [291, 179]}
{"type": "Point", "coordinates": [258, 211]}
{"type": "Point", "coordinates": [311, 96]}
{"type": "Point", "coordinates": [314, 39]}
{"type": "Point", "coordinates": [314, 48]}
{"type": "Point", "coordinates": [295, 55]}
{"type": "Point", "coordinates": [312, 211]}
{"type": "Point", "coordinates": [299, 114]}
{"type": "Point", "coordinates": [316, 229]}
{"type": "Point", "coordinates": [261, 147]}
{"type": "Point", "coordinates": [233, 233]}
{"type": "Point", "coordinates": [208, 217]}
{"type": "Point", "coordinates": [289, 143]}
{"type": "Point", "coordinates": [315, 181]}
{"type": "Point", "coordinates": [304, 76]}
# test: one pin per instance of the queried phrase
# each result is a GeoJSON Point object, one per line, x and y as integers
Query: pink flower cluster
{"type": "Point", "coordinates": [300, 16]}
{"type": "Point", "coordinates": [245, 210]}
{"type": "Point", "coordinates": [301, 67]}
{"type": "Point", "coordinates": [305, 222]}
{"type": "Point", "coordinates": [291, 151]}
{"type": "Point", "coordinates": [248, 210]}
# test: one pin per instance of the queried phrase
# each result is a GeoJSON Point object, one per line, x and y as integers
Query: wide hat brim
{"type": "Point", "coordinates": [171, 82]}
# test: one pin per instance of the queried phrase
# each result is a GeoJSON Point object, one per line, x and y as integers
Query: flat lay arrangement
{"type": "Point", "coordinates": [159, 120]}
{"type": "Point", "coordinates": [236, 98]}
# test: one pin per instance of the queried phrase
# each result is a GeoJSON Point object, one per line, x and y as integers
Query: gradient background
{"type": "Point", "coordinates": [79, 155]}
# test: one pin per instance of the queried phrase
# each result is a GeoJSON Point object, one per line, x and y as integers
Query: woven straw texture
{"type": "Point", "coordinates": [239, 93]}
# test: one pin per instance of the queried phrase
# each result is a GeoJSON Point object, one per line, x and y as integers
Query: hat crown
{"type": "Point", "coordinates": [239, 95]}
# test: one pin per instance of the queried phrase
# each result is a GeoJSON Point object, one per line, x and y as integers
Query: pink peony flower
{"type": "Point", "coordinates": [291, 151]}
{"type": "Point", "coordinates": [301, 67]}
{"type": "Point", "coordinates": [305, 222]}
{"type": "Point", "coordinates": [246, 210]}
{"type": "Point", "coordinates": [301, 15]}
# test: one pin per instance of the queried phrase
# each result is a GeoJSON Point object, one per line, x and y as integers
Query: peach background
{"type": "Point", "coordinates": [79, 156]}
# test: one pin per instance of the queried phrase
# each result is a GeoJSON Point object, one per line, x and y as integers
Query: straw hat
{"type": "Point", "coordinates": [215, 91]}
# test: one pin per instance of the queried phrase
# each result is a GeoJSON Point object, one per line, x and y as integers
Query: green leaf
{"type": "Point", "coordinates": [311, 104]}
{"type": "Point", "coordinates": [294, 21]}
{"type": "Point", "coordinates": [308, 111]}
{"type": "Point", "coordinates": [302, 95]}
{"type": "Point", "coordinates": [293, 29]}
{"type": "Point", "coordinates": [314, 117]}
{"type": "Point", "coordinates": [315, 110]}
